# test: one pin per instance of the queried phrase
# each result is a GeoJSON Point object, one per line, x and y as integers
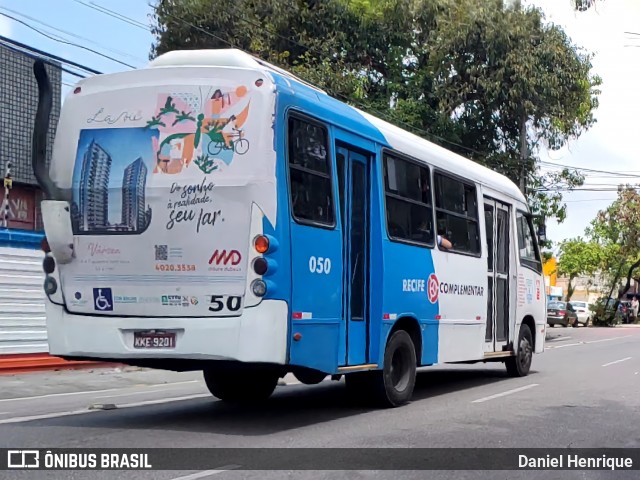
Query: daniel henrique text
{"type": "Point", "coordinates": [569, 461]}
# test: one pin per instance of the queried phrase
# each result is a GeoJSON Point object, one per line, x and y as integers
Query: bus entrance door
{"type": "Point", "coordinates": [496, 215]}
{"type": "Point", "coordinates": [353, 180]}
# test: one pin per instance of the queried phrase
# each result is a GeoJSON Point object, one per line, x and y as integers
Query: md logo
{"type": "Point", "coordinates": [103, 299]}
{"type": "Point", "coordinates": [222, 257]}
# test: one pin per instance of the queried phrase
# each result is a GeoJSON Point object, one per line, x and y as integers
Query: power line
{"type": "Point", "coordinates": [70, 34]}
{"type": "Point", "coordinates": [585, 169]}
{"type": "Point", "coordinates": [60, 40]}
{"type": "Point", "coordinates": [590, 200]}
{"type": "Point", "coordinates": [114, 14]}
{"type": "Point", "coordinates": [40, 55]}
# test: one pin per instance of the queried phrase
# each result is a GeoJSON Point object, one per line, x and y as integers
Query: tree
{"type": "Point", "coordinates": [617, 229]}
{"type": "Point", "coordinates": [583, 5]}
{"type": "Point", "coordinates": [492, 82]}
{"type": "Point", "coordinates": [577, 258]}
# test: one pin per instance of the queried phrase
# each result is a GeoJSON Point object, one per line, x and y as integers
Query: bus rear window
{"type": "Point", "coordinates": [309, 173]}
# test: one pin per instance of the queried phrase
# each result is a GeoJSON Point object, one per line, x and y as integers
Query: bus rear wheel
{"type": "Point", "coordinates": [241, 386]}
{"type": "Point", "coordinates": [520, 364]}
{"type": "Point", "coordinates": [393, 385]}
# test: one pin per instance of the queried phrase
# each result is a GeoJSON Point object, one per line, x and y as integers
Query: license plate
{"type": "Point", "coordinates": [552, 312]}
{"type": "Point", "coordinates": [154, 340]}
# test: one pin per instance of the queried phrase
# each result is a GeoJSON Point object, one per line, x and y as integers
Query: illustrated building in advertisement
{"type": "Point", "coordinates": [95, 197]}
{"type": "Point", "coordinates": [133, 195]}
{"type": "Point", "coordinates": [93, 201]}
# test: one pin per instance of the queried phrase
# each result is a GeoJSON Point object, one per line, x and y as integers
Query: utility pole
{"type": "Point", "coordinates": [523, 153]}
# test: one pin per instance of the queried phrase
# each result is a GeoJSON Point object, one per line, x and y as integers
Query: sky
{"type": "Point", "coordinates": [610, 145]}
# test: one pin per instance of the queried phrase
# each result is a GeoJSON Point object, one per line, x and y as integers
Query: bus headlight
{"type": "Point", "coordinates": [259, 288]}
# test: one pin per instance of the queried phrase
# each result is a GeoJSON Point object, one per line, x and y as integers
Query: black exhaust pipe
{"type": "Point", "coordinates": [40, 132]}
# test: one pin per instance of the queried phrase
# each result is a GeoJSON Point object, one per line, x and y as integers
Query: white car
{"type": "Point", "coordinates": [583, 311]}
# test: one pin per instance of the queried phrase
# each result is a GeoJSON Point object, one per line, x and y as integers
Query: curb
{"type": "Point", "coordinates": [35, 362]}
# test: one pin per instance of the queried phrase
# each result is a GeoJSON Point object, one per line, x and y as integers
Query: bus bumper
{"type": "Point", "coordinates": [258, 335]}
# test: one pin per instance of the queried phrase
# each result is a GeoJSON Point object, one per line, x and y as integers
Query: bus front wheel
{"type": "Point", "coordinates": [520, 363]}
{"type": "Point", "coordinates": [393, 385]}
{"type": "Point", "coordinates": [241, 386]}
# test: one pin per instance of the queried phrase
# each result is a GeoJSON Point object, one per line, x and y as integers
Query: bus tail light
{"type": "Point", "coordinates": [261, 244]}
{"type": "Point", "coordinates": [260, 266]}
{"type": "Point", "coordinates": [259, 288]}
{"type": "Point", "coordinates": [48, 264]}
{"type": "Point", "coordinates": [50, 285]}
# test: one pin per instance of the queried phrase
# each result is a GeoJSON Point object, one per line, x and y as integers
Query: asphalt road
{"type": "Point", "coordinates": [583, 392]}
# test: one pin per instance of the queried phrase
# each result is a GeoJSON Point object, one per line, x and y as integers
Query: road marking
{"type": "Point", "coordinates": [207, 473]}
{"type": "Point", "coordinates": [503, 394]}
{"type": "Point", "coordinates": [160, 385]}
{"type": "Point", "coordinates": [617, 361]}
{"type": "Point", "coordinates": [565, 345]}
{"type": "Point", "coordinates": [45, 416]}
{"type": "Point", "coordinates": [87, 392]}
{"type": "Point", "coordinates": [143, 392]}
{"type": "Point", "coordinates": [549, 347]}
{"type": "Point", "coordinates": [608, 339]}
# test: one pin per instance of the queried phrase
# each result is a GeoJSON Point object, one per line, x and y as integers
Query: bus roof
{"type": "Point", "coordinates": [397, 138]}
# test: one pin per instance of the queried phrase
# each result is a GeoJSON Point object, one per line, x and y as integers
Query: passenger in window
{"type": "Point", "coordinates": [444, 243]}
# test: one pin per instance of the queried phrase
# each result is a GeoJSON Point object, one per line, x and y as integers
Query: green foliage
{"type": "Point", "coordinates": [617, 230]}
{"type": "Point", "coordinates": [492, 82]}
{"type": "Point", "coordinates": [577, 258]}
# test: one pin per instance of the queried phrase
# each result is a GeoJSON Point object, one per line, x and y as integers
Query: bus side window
{"type": "Point", "coordinates": [529, 256]}
{"type": "Point", "coordinates": [457, 213]}
{"type": "Point", "coordinates": [310, 173]}
{"type": "Point", "coordinates": [408, 201]}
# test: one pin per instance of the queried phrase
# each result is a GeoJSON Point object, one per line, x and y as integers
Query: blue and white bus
{"type": "Point", "coordinates": [213, 212]}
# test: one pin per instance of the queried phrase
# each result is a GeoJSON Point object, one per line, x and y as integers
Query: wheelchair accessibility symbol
{"type": "Point", "coordinates": [103, 299]}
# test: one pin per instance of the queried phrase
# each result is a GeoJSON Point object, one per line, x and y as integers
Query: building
{"type": "Point", "coordinates": [18, 103]}
{"type": "Point", "coordinates": [133, 195]}
{"type": "Point", "coordinates": [93, 190]}
{"type": "Point", "coordinates": [22, 310]}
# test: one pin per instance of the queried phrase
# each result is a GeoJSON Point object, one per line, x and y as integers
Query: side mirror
{"type": "Point", "coordinates": [542, 233]}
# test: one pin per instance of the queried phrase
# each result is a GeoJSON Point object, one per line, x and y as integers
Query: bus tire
{"type": "Point", "coordinates": [520, 363]}
{"type": "Point", "coordinates": [240, 387]}
{"type": "Point", "coordinates": [393, 386]}
{"type": "Point", "coordinates": [310, 377]}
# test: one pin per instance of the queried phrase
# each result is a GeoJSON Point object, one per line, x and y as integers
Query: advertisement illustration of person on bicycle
{"type": "Point", "coordinates": [207, 133]}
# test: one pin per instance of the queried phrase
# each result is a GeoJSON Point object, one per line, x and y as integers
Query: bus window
{"type": "Point", "coordinates": [457, 213]}
{"type": "Point", "coordinates": [408, 201]}
{"type": "Point", "coordinates": [309, 173]}
{"type": "Point", "coordinates": [529, 256]}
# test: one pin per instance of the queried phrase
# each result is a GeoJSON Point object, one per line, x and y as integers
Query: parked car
{"type": "Point", "coordinates": [561, 313]}
{"type": "Point", "coordinates": [583, 310]}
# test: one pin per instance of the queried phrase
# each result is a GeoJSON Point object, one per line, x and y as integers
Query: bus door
{"type": "Point", "coordinates": [497, 215]}
{"type": "Point", "coordinates": [353, 168]}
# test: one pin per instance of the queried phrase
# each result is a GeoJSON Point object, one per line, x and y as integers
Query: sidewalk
{"type": "Point", "coordinates": [33, 362]}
